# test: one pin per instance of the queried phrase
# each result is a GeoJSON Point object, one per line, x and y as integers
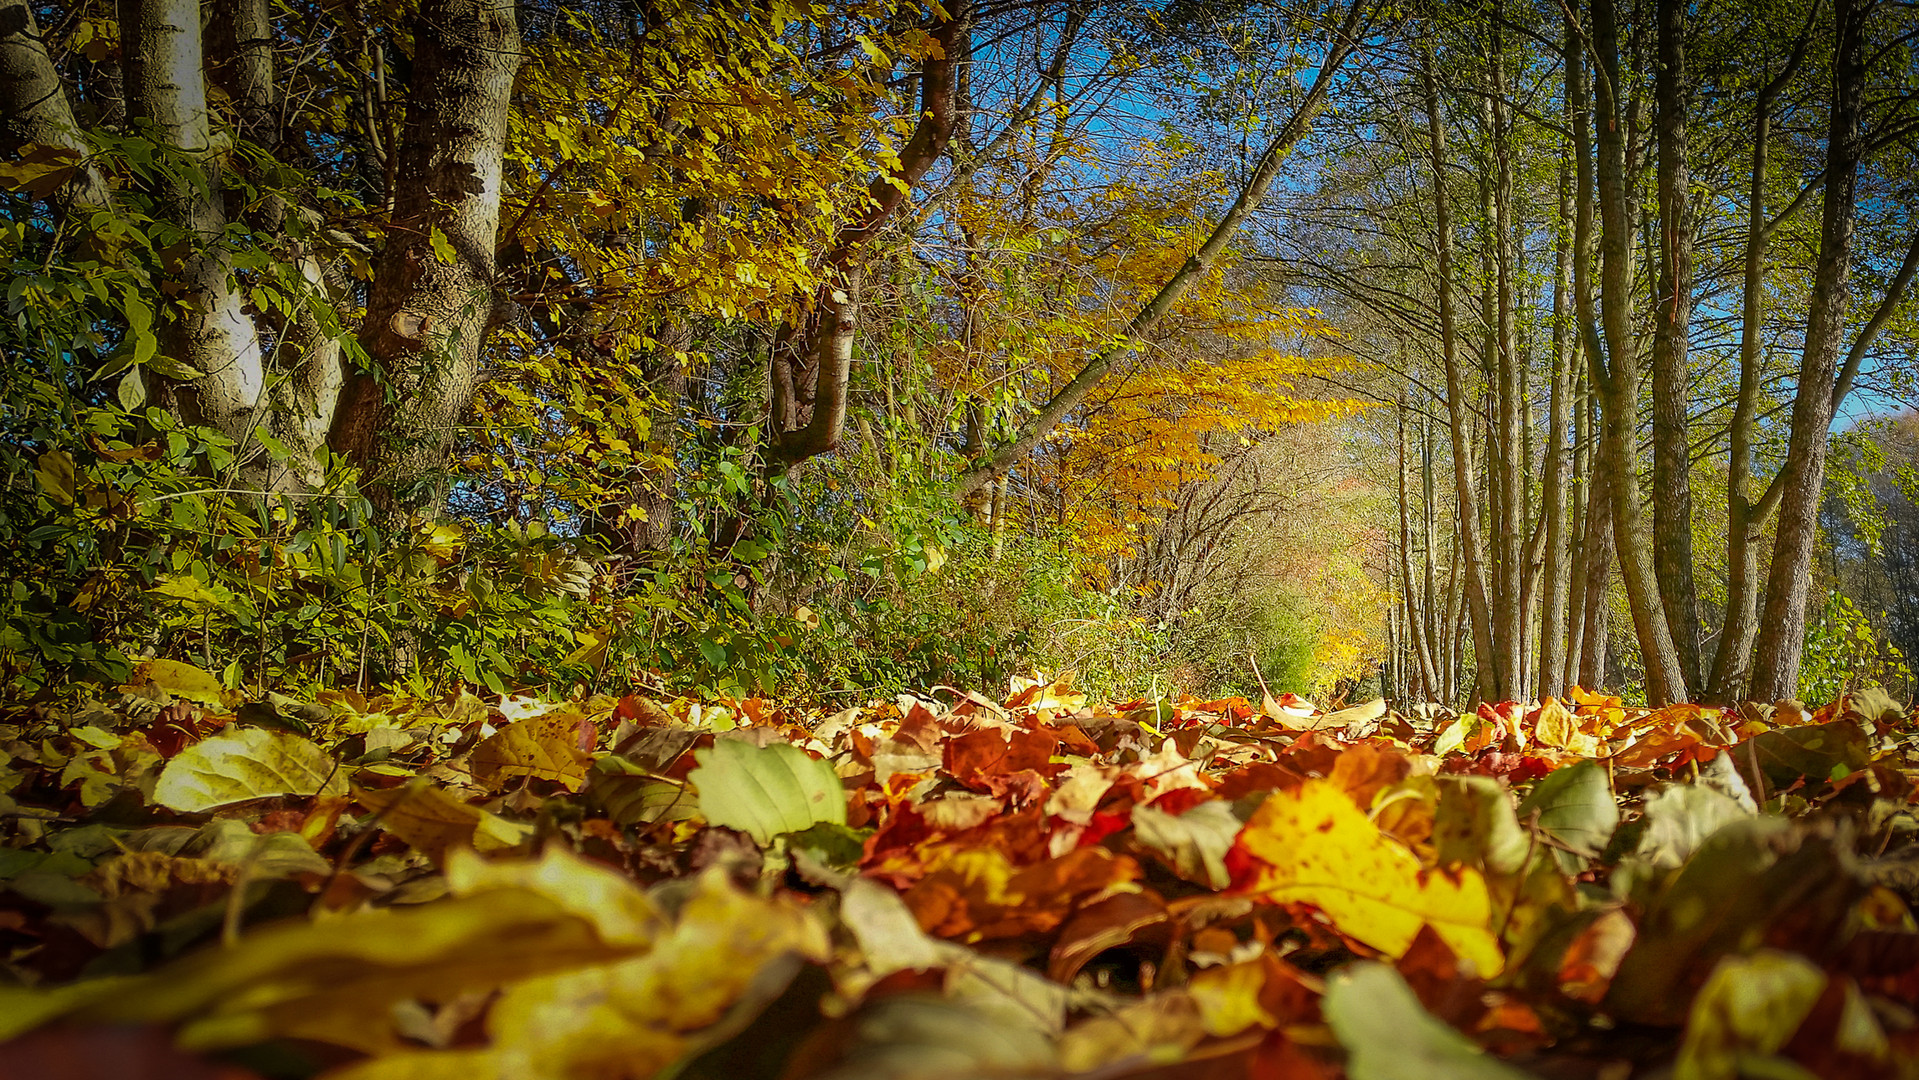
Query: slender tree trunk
{"type": "Point", "coordinates": [1745, 518]}
{"type": "Point", "coordinates": [1594, 619]}
{"type": "Point", "coordinates": [433, 297]}
{"type": "Point", "coordinates": [34, 108]}
{"type": "Point", "coordinates": [1432, 609]}
{"type": "Point", "coordinates": [1616, 374]}
{"type": "Point", "coordinates": [1506, 465]}
{"type": "Point", "coordinates": [812, 362]}
{"type": "Point", "coordinates": [1465, 490]}
{"type": "Point", "coordinates": [1577, 522]}
{"type": "Point", "coordinates": [1556, 572]}
{"type": "Point", "coordinates": [1782, 629]}
{"type": "Point", "coordinates": [1416, 641]}
{"type": "Point", "coordinates": [1671, 383]}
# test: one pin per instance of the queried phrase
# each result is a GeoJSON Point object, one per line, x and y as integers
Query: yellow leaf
{"type": "Point", "coordinates": [336, 981]}
{"type": "Point", "coordinates": [542, 747]}
{"type": "Point", "coordinates": [180, 680]}
{"type": "Point", "coordinates": [188, 589]}
{"type": "Point", "coordinates": [243, 764]}
{"type": "Point", "coordinates": [1555, 726]}
{"type": "Point", "coordinates": [621, 912]}
{"type": "Point", "coordinates": [1314, 846]}
{"type": "Point", "coordinates": [633, 1017]}
{"type": "Point", "coordinates": [56, 476]}
{"type": "Point", "coordinates": [427, 817]}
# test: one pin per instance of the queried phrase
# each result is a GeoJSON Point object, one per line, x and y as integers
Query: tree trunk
{"type": "Point", "coordinates": [1744, 518]}
{"type": "Point", "coordinates": [1615, 366]}
{"type": "Point", "coordinates": [1595, 619]}
{"type": "Point", "coordinates": [34, 108]}
{"type": "Point", "coordinates": [1671, 384]}
{"type": "Point", "coordinates": [433, 297]}
{"type": "Point", "coordinates": [1416, 643]}
{"type": "Point", "coordinates": [1782, 631]}
{"type": "Point", "coordinates": [1577, 520]}
{"type": "Point", "coordinates": [1513, 529]}
{"type": "Point", "coordinates": [812, 363]}
{"type": "Point", "coordinates": [1465, 490]}
{"type": "Point", "coordinates": [209, 329]}
{"type": "Point", "coordinates": [1556, 573]}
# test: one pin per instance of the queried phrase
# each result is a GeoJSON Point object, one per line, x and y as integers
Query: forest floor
{"type": "Point", "coordinates": [1026, 885]}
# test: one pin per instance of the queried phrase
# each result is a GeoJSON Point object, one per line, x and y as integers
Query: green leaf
{"type": "Point", "coordinates": [248, 763]}
{"type": "Point", "coordinates": [131, 392]}
{"type": "Point", "coordinates": [177, 370]}
{"type": "Point", "coordinates": [1748, 1010]}
{"type": "Point", "coordinates": [56, 476]}
{"type": "Point", "coordinates": [1474, 824]}
{"type": "Point", "coordinates": [1787, 755]}
{"type": "Point", "coordinates": [1746, 880]}
{"type": "Point", "coordinates": [1388, 1035]}
{"type": "Point", "coordinates": [833, 845]}
{"type": "Point", "coordinates": [1680, 818]}
{"type": "Point", "coordinates": [1575, 807]}
{"type": "Point", "coordinates": [765, 792]}
{"type": "Point", "coordinates": [443, 248]}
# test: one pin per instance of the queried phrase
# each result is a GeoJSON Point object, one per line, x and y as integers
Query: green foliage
{"type": "Point", "coordinates": [1845, 651]}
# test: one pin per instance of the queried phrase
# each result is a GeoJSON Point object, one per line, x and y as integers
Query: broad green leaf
{"type": "Point", "coordinates": [1748, 879]}
{"type": "Point", "coordinates": [1389, 1035]}
{"type": "Point", "coordinates": [177, 370]}
{"type": "Point", "coordinates": [243, 764]}
{"type": "Point", "coordinates": [1575, 807]}
{"type": "Point", "coordinates": [766, 792]}
{"type": "Point", "coordinates": [1474, 825]}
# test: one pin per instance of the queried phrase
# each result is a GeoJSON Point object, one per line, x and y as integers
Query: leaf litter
{"type": "Point", "coordinates": [395, 888]}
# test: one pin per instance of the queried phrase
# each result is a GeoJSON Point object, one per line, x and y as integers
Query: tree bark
{"type": "Point", "coordinates": [1416, 642]}
{"type": "Point", "coordinates": [813, 358]}
{"type": "Point", "coordinates": [433, 297]}
{"type": "Point", "coordinates": [1744, 518]}
{"type": "Point", "coordinates": [1465, 491]}
{"type": "Point", "coordinates": [34, 108]}
{"type": "Point", "coordinates": [1782, 630]}
{"type": "Point", "coordinates": [1510, 530]}
{"type": "Point", "coordinates": [209, 330]}
{"type": "Point", "coordinates": [1615, 367]}
{"type": "Point", "coordinates": [1671, 382]}
{"type": "Point", "coordinates": [1556, 573]}
{"type": "Point", "coordinates": [1595, 620]}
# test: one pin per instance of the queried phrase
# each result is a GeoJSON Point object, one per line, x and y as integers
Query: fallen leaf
{"type": "Point", "coordinates": [766, 792]}
{"type": "Point", "coordinates": [243, 764]}
{"type": "Point", "coordinates": [1312, 845]}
